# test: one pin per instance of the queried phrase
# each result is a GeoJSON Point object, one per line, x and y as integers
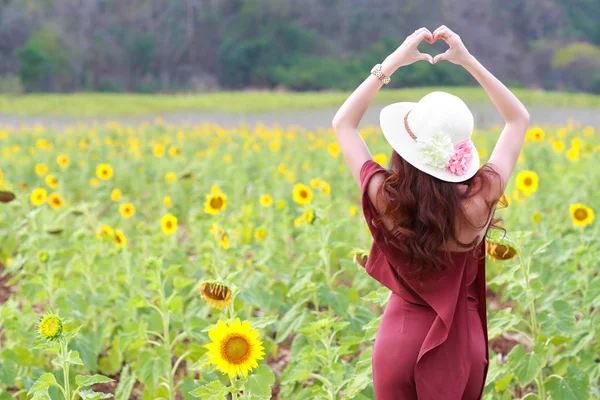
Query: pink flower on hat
{"type": "Point", "coordinates": [460, 162]}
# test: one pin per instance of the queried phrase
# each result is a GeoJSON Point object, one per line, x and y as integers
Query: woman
{"type": "Point", "coordinates": [428, 215]}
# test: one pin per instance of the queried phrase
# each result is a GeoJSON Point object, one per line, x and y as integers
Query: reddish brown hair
{"type": "Point", "coordinates": [424, 209]}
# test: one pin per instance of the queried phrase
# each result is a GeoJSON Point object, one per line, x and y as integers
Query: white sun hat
{"type": "Point", "coordinates": [433, 135]}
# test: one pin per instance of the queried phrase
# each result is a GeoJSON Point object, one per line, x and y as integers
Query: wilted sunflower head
{"type": "Point", "coordinates": [216, 293]}
{"type": "Point", "coordinates": [6, 197]}
{"type": "Point", "coordinates": [50, 326]}
{"type": "Point", "coordinates": [359, 257]}
{"type": "Point", "coordinates": [500, 250]}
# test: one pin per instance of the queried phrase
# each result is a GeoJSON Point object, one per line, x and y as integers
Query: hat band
{"type": "Point", "coordinates": [412, 135]}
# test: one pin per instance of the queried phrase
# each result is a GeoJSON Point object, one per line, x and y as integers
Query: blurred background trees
{"type": "Point", "coordinates": [152, 46]}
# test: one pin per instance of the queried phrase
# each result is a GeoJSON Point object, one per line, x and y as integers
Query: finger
{"type": "Point", "coordinates": [442, 56]}
{"type": "Point", "coordinates": [438, 29]}
{"type": "Point", "coordinates": [424, 34]}
{"type": "Point", "coordinates": [441, 33]}
{"type": "Point", "coordinates": [425, 57]}
{"type": "Point", "coordinates": [417, 32]}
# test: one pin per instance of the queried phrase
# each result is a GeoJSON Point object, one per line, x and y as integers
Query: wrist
{"type": "Point", "coordinates": [388, 67]}
{"type": "Point", "coordinates": [469, 61]}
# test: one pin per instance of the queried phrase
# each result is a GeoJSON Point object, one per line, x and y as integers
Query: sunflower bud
{"type": "Point", "coordinates": [43, 256]}
{"type": "Point", "coordinates": [50, 327]}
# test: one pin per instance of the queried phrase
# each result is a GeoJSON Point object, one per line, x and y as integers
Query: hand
{"type": "Point", "coordinates": [457, 53]}
{"type": "Point", "coordinates": [408, 53]}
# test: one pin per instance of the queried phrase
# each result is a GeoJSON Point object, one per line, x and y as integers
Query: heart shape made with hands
{"type": "Point", "coordinates": [441, 33]}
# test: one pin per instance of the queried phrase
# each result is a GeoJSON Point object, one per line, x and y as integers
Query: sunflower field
{"type": "Point", "coordinates": [192, 261]}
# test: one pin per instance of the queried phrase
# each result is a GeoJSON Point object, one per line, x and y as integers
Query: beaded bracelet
{"type": "Point", "coordinates": [379, 74]}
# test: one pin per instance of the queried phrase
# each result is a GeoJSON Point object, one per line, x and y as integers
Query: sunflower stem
{"type": "Point", "coordinates": [233, 391]}
{"type": "Point", "coordinates": [63, 351]}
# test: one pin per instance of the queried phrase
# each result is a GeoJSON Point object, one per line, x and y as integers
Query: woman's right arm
{"type": "Point", "coordinates": [507, 149]}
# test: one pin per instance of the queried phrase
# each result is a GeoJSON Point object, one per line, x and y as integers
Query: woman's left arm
{"type": "Point", "coordinates": [346, 120]}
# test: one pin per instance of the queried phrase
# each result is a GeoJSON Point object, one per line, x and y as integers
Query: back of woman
{"type": "Point", "coordinates": [429, 212]}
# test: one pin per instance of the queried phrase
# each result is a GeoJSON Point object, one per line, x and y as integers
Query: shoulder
{"type": "Point", "coordinates": [371, 179]}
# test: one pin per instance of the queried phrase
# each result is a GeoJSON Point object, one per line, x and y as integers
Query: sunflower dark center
{"type": "Point", "coordinates": [169, 225]}
{"type": "Point", "coordinates": [216, 202]}
{"type": "Point", "coordinates": [528, 181]}
{"type": "Point", "coordinates": [235, 349]}
{"type": "Point", "coordinates": [581, 214]}
{"type": "Point", "coordinates": [303, 193]}
{"type": "Point", "coordinates": [216, 292]}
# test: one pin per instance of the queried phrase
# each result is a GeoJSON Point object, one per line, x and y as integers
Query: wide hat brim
{"type": "Point", "coordinates": [391, 120]}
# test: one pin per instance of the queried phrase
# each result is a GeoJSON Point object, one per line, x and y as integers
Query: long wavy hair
{"type": "Point", "coordinates": [424, 211]}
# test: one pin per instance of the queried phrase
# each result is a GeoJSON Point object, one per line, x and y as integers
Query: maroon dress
{"type": "Point", "coordinates": [432, 341]}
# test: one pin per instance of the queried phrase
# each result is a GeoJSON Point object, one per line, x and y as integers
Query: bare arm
{"type": "Point", "coordinates": [507, 149]}
{"type": "Point", "coordinates": [346, 120]}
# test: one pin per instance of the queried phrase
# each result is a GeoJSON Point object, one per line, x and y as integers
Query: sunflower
{"type": "Point", "coordinates": [527, 182]}
{"type": "Point", "coordinates": [38, 196]}
{"type": "Point", "coordinates": [115, 195]}
{"type": "Point", "coordinates": [104, 171]}
{"type": "Point", "coordinates": [215, 202]}
{"type": "Point", "coordinates": [536, 133]}
{"type": "Point", "coordinates": [6, 197]}
{"type": "Point", "coordinates": [105, 230]}
{"type": "Point", "coordinates": [168, 202]}
{"type": "Point", "coordinates": [224, 241]}
{"type": "Point", "coordinates": [51, 181]}
{"type": "Point", "coordinates": [537, 218]}
{"type": "Point", "coordinates": [500, 250]}
{"type": "Point", "coordinates": [558, 146]}
{"type": "Point", "coordinates": [41, 169]}
{"type": "Point", "coordinates": [127, 210]}
{"type": "Point", "coordinates": [576, 143]}
{"type": "Point", "coordinates": [260, 233]}
{"type": "Point", "coordinates": [353, 210]}
{"type": "Point", "coordinates": [380, 158]}
{"type": "Point", "coordinates": [280, 204]}
{"type": "Point", "coordinates": [235, 348]}
{"type": "Point", "coordinates": [171, 177]}
{"type": "Point", "coordinates": [174, 151]}
{"type": "Point", "coordinates": [333, 149]}
{"type": "Point", "coordinates": [50, 327]}
{"type": "Point", "coordinates": [227, 158]}
{"type": "Point", "coordinates": [55, 201]}
{"type": "Point", "coordinates": [309, 216]}
{"type": "Point", "coordinates": [120, 239]}
{"type": "Point", "coordinates": [573, 154]}
{"type": "Point", "coordinates": [266, 200]}
{"type": "Point", "coordinates": [168, 224]}
{"type": "Point", "coordinates": [94, 182]}
{"type": "Point", "coordinates": [325, 188]}
{"type": "Point", "coordinates": [62, 161]}
{"type": "Point", "coordinates": [158, 150]}
{"type": "Point", "coordinates": [581, 215]}
{"type": "Point", "coordinates": [216, 293]}
{"type": "Point", "coordinates": [302, 194]}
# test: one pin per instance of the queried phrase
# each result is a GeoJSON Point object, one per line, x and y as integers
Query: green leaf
{"type": "Point", "coordinates": [91, 395]}
{"type": "Point", "coordinates": [73, 358]}
{"type": "Point", "coordinates": [379, 296]}
{"type": "Point", "coordinates": [292, 320]}
{"type": "Point", "coordinates": [527, 365]}
{"type": "Point", "coordinates": [40, 387]}
{"type": "Point", "coordinates": [571, 387]}
{"type": "Point", "coordinates": [260, 382]}
{"type": "Point", "coordinates": [88, 380]}
{"type": "Point", "coordinates": [212, 391]}
{"type": "Point", "coordinates": [260, 323]}
{"type": "Point", "coordinates": [152, 364]}
{"type": "Point", "coordinates": [126, 381]}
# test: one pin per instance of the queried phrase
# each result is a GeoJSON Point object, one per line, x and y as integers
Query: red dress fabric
{"type": "Point", "coordinates": [432, 341]}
